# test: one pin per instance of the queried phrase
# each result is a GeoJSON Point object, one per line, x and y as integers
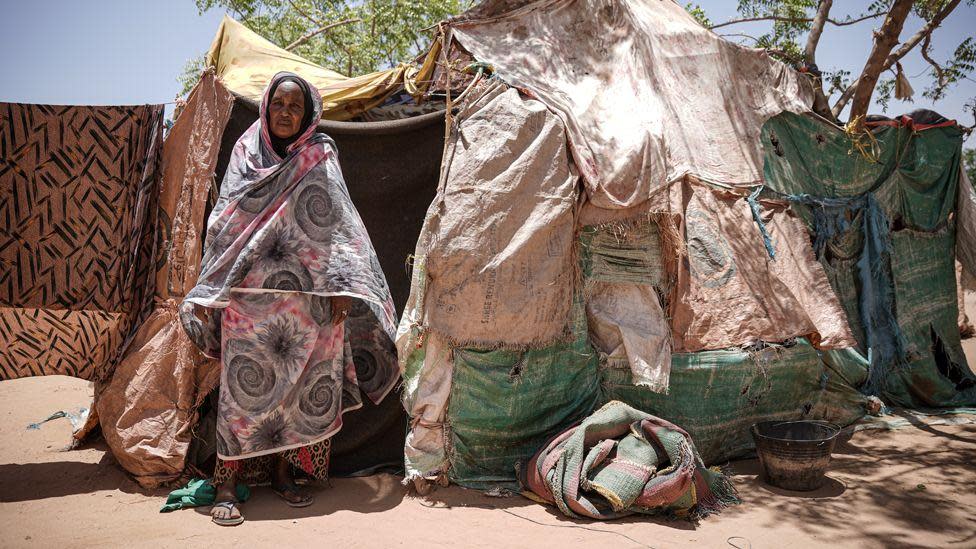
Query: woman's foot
{"type": "Point", "coordinates": [283, 484]}
{"type": "Point", "coordinates": [224, 511]}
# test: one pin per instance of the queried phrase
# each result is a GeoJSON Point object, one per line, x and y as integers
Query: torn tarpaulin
{"type": "Point", "coordinates": [876, 299]}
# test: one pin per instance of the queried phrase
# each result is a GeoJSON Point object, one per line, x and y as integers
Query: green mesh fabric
{"type": "Point", "coordinates": [506, 404]}
{"type": "Point", "coordinates": [914, 182]}
{"type": "Point", "coordinates": [631, 255]}
{"type": "Point", "coordinates": [717, 395]}
{"type": "Point", "coordinates": [937, 374]}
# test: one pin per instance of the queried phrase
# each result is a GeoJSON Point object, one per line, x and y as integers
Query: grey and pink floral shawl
{"type": "Point", "coordinates": [288, 225]}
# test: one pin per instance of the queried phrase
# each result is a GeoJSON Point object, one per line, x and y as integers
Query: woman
{"type": "Point", "coordinates": [287, 260]}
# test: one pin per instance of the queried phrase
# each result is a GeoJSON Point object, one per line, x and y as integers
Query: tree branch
{"type": "Point", "coordinates": [740, 35]}
{"type": "Point", "coordinates": [939, 71]}
{"type": "Point", "coordinates": [902, 51]}
{"type": "Point", "coordinates": [834, 22]}
{"type": "Point", "coordinates": [820, 104]}
{"type": "Point", "coordinates": [885, 39]}
{"type": "Point", "coordinates": [312, 34]}
{"type": "Point", "coordinates": [304, 13]}
{"type": "Point", "coordinates": [816, 29]}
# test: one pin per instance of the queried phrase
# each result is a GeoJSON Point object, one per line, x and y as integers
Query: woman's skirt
{"type": "Point", "coordinates": [287, 376]}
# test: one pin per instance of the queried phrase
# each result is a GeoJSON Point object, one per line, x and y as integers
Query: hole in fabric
{"type": "Point", "coordinates": [776, 148]}
{"type": "Point", "coordinates": [947, 368]}
{"type": "Point", "coordinates": [515, 374]}
{"type": "Point", "coordinates": [898, 224]}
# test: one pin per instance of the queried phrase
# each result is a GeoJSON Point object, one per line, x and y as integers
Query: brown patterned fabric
{"type": "Point", "coordinates": [78, 192]}
{"type": "Point", "coordinates": [149, 407]}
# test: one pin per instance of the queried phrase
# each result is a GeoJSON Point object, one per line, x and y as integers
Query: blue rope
{"type": "Point", "coordinates": [876, 296]}
{"type": "Point", "coordinates": [753, 201]}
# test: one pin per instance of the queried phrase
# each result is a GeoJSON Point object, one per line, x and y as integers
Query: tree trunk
{"type": "Point", "coordinates": [820, 104]}
{"type": "Point", "coordinates": [885, 39]}
{"type": "Point", "coordinates": [902, 50]}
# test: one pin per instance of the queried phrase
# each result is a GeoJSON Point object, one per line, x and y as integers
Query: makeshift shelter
{"type": "Point", "coordinates": [630, 209]}
{"type": "Point", "coordinates": [616, 221]}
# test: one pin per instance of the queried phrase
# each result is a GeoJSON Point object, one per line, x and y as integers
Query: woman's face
{"type": "Point", "coordinates": [286, 110]}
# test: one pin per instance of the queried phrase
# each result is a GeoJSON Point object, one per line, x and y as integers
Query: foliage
{"type": "Point", "coordinates": [699, 14]}
{"type": "Point", "coordinates": [790, 22]}
{"type": "Point", "coordinates": [351, 37]}
{"type": "Point", "coordinates": [191, 74]}
{"type": "Point", "coordinates": [369, 34]}
{"type": "Point", "coordinates": [969, 163]}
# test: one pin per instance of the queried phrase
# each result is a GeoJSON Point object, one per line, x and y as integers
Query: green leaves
{"type": "Point", "coordinates": [349, 37]}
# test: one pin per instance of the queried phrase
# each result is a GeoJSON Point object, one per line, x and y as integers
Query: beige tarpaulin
{"type": "Point", "coordinates": [500, 263]}
{"type": "Point", "coordinates": [731, 293]}
{"type": "Point", "coordinates": [966, 224]}
{"type": "Point", "coordinates": [425, 398]}
{"type": "Point", "coordinates": [627, 323]}
{"type": "Point", "coordinates": [245, 62]}
{"type": "Point", "coordinates": [148, 407]}
{"type": "Point", "coordinates": [647, 94]}
{"type": "Point", "coordinates": [965, 247]}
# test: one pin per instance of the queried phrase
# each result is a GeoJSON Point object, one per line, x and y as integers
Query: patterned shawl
{"type": "Point", "coordinates": [288, 225]}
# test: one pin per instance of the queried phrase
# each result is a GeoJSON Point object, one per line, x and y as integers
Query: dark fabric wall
{"type": "Point", "coordinates": [391, 169]}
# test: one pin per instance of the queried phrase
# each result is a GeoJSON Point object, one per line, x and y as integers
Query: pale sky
{"type": "Point", "coordinates": [132, 51]}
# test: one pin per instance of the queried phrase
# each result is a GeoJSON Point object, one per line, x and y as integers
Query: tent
{"type": "Point", "coordinates": [634, 209]}
{"type": "Point", "coordinates": [78, 192]}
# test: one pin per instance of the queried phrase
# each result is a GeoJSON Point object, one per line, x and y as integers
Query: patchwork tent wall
{"type": "Point", "coordinates": [148, 408]}
{"type": "Point", "coordinates": [598, 234]}
{"type": "Point", "coordinates": [78, 194]}
{"type": "Point", "coordinates": [884, 223]}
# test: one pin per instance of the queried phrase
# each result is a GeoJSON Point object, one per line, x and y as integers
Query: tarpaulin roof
{"type": "Point", "coordinates": [245, 62]}
{"type": "Point", "coordinates": [647, 94]}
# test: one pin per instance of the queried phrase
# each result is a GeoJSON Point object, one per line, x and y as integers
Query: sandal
{"type": "Point", "coordinates": [229, 520]}
{"type": "Point", "coordinates": [284, 490]}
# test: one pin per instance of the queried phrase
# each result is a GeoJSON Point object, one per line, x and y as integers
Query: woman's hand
{"type": "Point", "coordinates": [340, 308]}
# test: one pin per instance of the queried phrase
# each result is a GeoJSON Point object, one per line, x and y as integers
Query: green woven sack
{"type": "Point", "coordinates": [717, 395]}
{"type": "Point", "coordinates": [506, 404]}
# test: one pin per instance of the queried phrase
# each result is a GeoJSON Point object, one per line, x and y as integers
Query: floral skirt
{"type": "Point", "coordinates": [287, 376]}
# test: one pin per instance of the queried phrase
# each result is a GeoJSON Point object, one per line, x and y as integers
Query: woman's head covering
{"type": "Point", "coordinates": [313, 112]}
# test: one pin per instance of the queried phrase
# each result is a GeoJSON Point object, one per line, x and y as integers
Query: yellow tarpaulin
{"type": "Point", "coordinates": [245, 62]}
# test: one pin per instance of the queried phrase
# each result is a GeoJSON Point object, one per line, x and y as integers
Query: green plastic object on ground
{"type": "Point", "coordinates": [198, 492]}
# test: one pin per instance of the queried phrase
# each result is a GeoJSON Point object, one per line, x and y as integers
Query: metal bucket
{"type": "Point", "coordinates": [794, 455]}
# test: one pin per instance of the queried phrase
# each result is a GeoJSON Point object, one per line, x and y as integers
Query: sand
{"type": "Point", "coordinates": [910, 487]}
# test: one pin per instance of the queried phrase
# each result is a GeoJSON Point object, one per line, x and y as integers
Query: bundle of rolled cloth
{"type": "Point", "coordinates": [621, 461]}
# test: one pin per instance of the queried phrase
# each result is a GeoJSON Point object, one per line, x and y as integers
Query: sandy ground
{"type": "Point", "coordinates": [910, 487]}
